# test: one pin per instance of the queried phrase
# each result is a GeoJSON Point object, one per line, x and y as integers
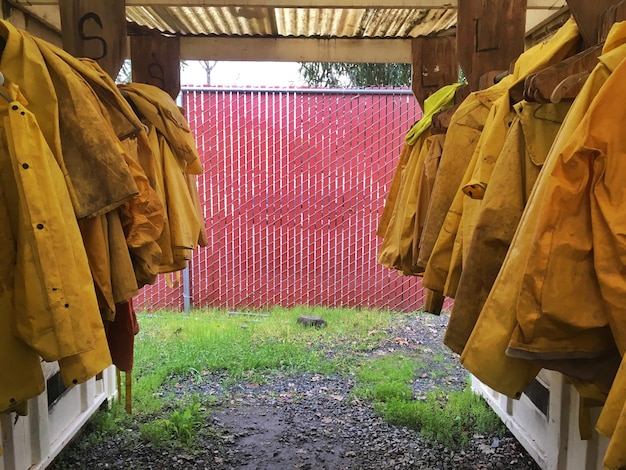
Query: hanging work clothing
{"type": "Point", "coordinates": [62, 102]}
{"type": "Point", "coordinates": [401, 207]}
{"type": "Point", "coordinates": [485, 352]}
{"type": "Point", "coordinates": [176, 163]}
{"type": "Point", "coordinates": [525, 148]}
{"type": "Point", "coordinates": [395, 251]}
{"type": "Point", "coordinates": [53, 303]}
{"type": "Point", "coordinates": [462, 137]}
{"type": "Point", "coordinates": [160, 110]}
{"type": "Point", "coordinates": [20, 372]}
{"type": "Point", "coordinates": [445, 264]}
{"type": "Point", "coordinates": [578, 235]}
{"type": "Point", "coordinates": [425, 186]}
{"type": "Point", "coordinates": [394, 189]}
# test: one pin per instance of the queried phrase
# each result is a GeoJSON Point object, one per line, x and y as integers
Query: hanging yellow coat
{"type": "Point", "coordinates": [461, 139]}
{"type": "Point", "coordinates": [54, 308]}
{"type": "Point", "coordinates": [526, 146]}
{"type": "Point", "coordinates": [176, 160]}
{"type": "Point", "coordinates": [160, 110]}
{"type": "Point", "coordinates": [20, 372]}
{"type": "Point", "coordinates": [62, 102]}
{"type": "Point", "coordinates": [612, 421]}
{"type": "Point", "coordinates": [394, 188]}
{"type": "Point", "coordinates": [445, 265]}
{"type": "Point", "coordinates": [424, 191]}
{"type": "Point", "coordinates": [441, 99]}
{"type": "Point", "coordinates": [578, 236]}
{"type": "Point", "coordinates": [485, 352]}
{"type": "Point", "coordinates": [396, 250]}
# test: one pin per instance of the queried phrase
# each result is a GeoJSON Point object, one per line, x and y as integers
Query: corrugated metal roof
{"type": "Point", "coordinates": [294, 22]}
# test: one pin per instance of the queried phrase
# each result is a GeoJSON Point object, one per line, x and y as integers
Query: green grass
{"type": "Point", "coordinates": [447, 418]}
{"type": "Point", "coordinates": [255, 345]}
{"type": "Point", "coordinates": [173, 345]}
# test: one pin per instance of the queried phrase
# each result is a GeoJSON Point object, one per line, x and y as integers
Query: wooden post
{"type": "Point", "coordinates": [490, 35]}
{"type": "Point", "coordinates": [588, 16]}
{"type": "Point", "coordinates": [434, 65]}
{"type": "Point", "coordinates": [155, 59]}
{"type": "Point", "coordinates": [95, 29]}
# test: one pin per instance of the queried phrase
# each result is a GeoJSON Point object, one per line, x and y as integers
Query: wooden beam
{"type": "Point", "coordinates": [297, 49]}
{"type": "Point", "coordinates": [412, 4]}
{"type": "Point", "coordinates": [155, 59]}
{"type": "Point", "coordinates": [434, 65]}
{"type": "Point", "coordinates": [614, 14]}
{"type": "Point", "coordinates": [490, 35]}
{"type": "Point", "coordinates": [95, 29]}
{"type": "Point", "coordinates": [588, 16]}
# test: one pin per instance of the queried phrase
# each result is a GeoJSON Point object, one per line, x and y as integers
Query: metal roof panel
{"type": "Point", "coordinates": [293, 22]}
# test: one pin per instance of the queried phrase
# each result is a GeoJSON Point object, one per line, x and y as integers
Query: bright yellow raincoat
{"type": "Point", "coordinates": [53, 307]}
{"type": "Point", "coordinates": [575, 297]}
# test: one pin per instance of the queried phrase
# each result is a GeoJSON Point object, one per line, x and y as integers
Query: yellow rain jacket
{"type": "Point", "coordinates": [396, 249]}
{"type": "Point", "coordinates": [442, 99]}
{"type": "Point", "coordinates": [20, 373]}
{"type": "Point", "coordinates": [462, 137]}
{"type": "Point", "coordinates": [54, 308]}
{"type": "Point", "coordinates": [176, 163]}
{"type": "Point", "coordinates": [424, 191]}
{"type": "Point", "coordinates": [62, 102]}
{"type": "Point", "coordinates": [578, 235]}
{"type": "Point", "coordinates": [394, 188]}
{"type": "Point", "coordinates": [401, 207]}
{"type": "Point", "coordinates": [485, 352]}
{"type": "Point", "coordinates": [161, 111]}
{"type": "Point", "coordinates": [526, 146]}
{"type": "Point", "coordinates": [612, 422]}
{"type": "Point", "coordinates": [444, 267]}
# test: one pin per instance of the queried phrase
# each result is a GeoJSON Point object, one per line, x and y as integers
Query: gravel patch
{"type": "Point", "coordinates": [308, 421]}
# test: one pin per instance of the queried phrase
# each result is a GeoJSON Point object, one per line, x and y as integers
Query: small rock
{"type": "Point", "coordinates": [311, 320]}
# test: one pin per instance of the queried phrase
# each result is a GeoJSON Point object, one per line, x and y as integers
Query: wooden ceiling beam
{"type": "Point", "coordinates": [297, 49]}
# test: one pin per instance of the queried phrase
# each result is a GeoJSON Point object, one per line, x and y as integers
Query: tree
{"type": "Point", "coordinates": [208, 66]}
{"type": "Point", "coordinates": [355, 75]}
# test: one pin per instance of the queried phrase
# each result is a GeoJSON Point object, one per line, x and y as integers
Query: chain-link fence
{"type": "Point", "coordinates": [294, 183]}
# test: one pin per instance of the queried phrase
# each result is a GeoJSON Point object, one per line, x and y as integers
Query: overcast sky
{"type": "Point", "coordinates": [270, 74]}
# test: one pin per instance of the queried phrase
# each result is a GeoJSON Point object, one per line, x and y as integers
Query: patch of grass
{"type": "Point", "coordinates": [386, 378]}
{"type": "Point", "coordinates": [253, 346]}
{"type": "Point", "coordinates": [447, 418]}
{"type": "Point", "coordinates": [171, 345]}
{"type": "Point", "coordinates": [178, 427]}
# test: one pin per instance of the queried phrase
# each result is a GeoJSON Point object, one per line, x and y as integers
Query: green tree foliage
{"type": "Point", "coordinates": [355, 75]}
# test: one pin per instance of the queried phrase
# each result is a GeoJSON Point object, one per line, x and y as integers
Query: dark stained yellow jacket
{"type": "Point", "coordinates": [526, 146]}
{"type": "Point", "coordinates": [63, 102]}
{"type": "Point", "coordinates": [445, 264]}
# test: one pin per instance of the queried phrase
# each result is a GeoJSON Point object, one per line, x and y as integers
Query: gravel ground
{"type": "Point", "coordinates": [308, 422]}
